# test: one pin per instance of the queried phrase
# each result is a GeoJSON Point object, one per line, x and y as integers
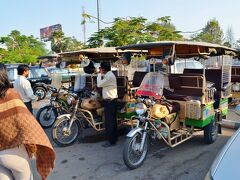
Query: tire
{"type": "Point", "coordinates": [46, 116]}
{"type": "Point", "coordinates": [58, 135]}
{"type": "Point", "coordinates": [40, 91]}
{"type": "Point", "coordinates": [211, 131]}
{"type": "Point", "coordinates": [128, 146]}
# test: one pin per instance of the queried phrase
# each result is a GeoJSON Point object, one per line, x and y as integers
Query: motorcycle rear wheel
{"type": "Point", "coordinates": [59, 135]}
{"type": "Point", "coordinates": [132, 157]}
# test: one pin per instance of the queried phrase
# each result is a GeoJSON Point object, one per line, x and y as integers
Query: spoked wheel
{"type": "Point", "coordinates": [41, 92]}
{"type": "Point", "coordinates": [132, 155]}
{"type": "Point", "coordinates": [46, 116]}
{"type": "Point", "coordinates": [60, 133]}
{"type": "Point", "coordinates": [211, 131]}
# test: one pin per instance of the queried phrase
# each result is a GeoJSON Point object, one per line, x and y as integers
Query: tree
{"type": "Point", "coordinates": [162, 29]}
{"type": "Point", "coordinates": [126, 31]}
{"type": "Point", "coordinates": [73, 44]}
{"type": "Point", "coordinates": [211, 33]}
{"type": "Point", "coordinates": [58, 43]}
{"type": "Point", "coordinates": [135, 30]}
{"type": "Point", "coordinates": [229, 38]}
{"type": "Point", "coordinates": [237, 44]}
{"type": "Point", "coordinates": [2, 52]}
{"type": "Point", "coordinates": [21, 48]}
{"type": "Point", "coordinates": [61, 43]}
{"type": "Point", "coordinates": [96, 39]}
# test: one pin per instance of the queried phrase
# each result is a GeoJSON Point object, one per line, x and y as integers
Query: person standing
{"type": "Point", "coordinates": [21, 137]}
{"type": "Point", "coordinates": [107, 81]}
{"type": "Point", "coordinates": [23, 86]}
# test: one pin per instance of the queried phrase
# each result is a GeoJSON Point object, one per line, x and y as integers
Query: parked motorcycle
{"type": "Point", "coordinates": [47, 115]}
{"type": "Point", "coordinates": [66, 129]}
{"type": "Point", "coordinates": [136, 145]}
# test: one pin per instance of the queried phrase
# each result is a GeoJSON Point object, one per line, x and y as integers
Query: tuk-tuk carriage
{"type": "Point", "coordinates": [235, 99]}
{"type": "Point", "coordinates": [87, 109]}
{"type": "Point", "coordinates": [172, 110]}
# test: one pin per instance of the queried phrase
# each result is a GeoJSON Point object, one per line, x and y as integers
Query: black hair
{"type": "Point", "coordinates": [106, 66]}
{"type": "Point", "coordinates": [90, 69]}
{"type": "Point", "coordinates": [127, 56]}
{"type": "Point", "coordinates": [21, 68]}
{"type": "Point", "coordinates": [4, 82]}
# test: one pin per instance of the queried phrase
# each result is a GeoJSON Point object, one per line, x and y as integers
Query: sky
{"type": "Point", "coordinates": [28, 16]}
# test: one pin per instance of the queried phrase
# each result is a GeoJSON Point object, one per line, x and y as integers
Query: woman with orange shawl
{"type": "Point", "coordinates": [21, 137]}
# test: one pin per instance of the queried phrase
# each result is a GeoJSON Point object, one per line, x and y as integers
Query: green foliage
{"type": "Point", "coordinates": [237, 44]}
{"type": "Point", "coordinates": [61, 43]}
{"type": "Point", "coordinates": [21, 48]}
{"type": "Point", "coordinates": [163, 30]}
{"type": "Point", "coordinates": [211, 33]}
{"type": "Point", "coordinates": [96, 40]}
{"type": "Point", "coordinates": [134, 30]}
{"type": "Point", "coordinates": [57, 42]}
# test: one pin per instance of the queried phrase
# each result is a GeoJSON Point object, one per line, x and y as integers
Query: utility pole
{"type": "Point", "coordinates": [84, 26]}
{"type": "Point", "coordinates": [98, 15]}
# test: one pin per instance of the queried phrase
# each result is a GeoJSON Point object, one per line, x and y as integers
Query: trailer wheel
{"type": "Point", "coordinates": [211, 131]}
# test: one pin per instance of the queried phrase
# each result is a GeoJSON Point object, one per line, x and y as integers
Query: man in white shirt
{"type": "Point", "coordinates": [107, 80]}
{"type": "Point", "coordinates": [24, 88]}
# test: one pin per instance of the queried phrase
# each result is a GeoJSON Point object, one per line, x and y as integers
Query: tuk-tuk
{"type": "Point", "coordinates": [85, 101]}
{"type": "Point", "coordinates": [235, 99]}
{"type": "Point", "coordinates": [174, 108]}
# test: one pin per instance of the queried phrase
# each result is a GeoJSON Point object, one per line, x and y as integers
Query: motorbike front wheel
{"type": "Point", "coordinates": [133, 157]}
{"type": "Point", "coordinates": [60, 134]}
{"type": "Point", "coordinates": [46, 116]}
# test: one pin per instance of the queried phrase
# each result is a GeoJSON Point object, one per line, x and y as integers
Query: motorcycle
{"type": "Point", "coordinates": [66, 130]}
{"type": "Point", "coordinates": [47, 115]}
{"type": "Point", "coordinates": [147, 127]}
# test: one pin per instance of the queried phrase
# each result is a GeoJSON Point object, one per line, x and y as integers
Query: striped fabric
{"type": "Point", "coordinates": [18, 126]}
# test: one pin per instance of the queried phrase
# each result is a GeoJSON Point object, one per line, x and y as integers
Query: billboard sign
{"type": "Point", "coordinates": [46, 33]}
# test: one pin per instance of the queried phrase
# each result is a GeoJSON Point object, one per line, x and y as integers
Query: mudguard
{"type": "Point", "coordinates": [41, 84]}
{"type": "Point", "coordinates": [63, 115]}
{"type": "Point", "coordinates": [134, 131]}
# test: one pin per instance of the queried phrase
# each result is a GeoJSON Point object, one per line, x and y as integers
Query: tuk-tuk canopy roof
{"type": "Point", "coordinates": [49, 56]}
{"type": "Point", "coordinates": [111, 50]}
{"type": "Point", "coordinates": [95, 54]}
{"type": "Point", "coordinates": [181, 48]}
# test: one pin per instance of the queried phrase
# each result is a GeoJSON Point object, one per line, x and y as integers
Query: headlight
{"type": "Point", "coordinates": [70, 99]}
{"type": "Point", "coordinates": [141, 108]}
{"type": "Point", "coordinates": [148, 102]}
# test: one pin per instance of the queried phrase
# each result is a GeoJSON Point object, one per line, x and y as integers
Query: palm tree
{"type": "Point", "coordinates": [57, 41]}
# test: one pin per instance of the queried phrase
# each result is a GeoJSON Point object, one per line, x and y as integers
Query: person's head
{"type": "Point", "coordinates": [90, 69]}
{"type": "Point", "coordinates": [127, 58]}
{"type": "Point", "coordinates": [4, 82]}
{"type": "Point", "coordinates": [105, 67]}
{"type": "Point", "coordinates": [23, 70]}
